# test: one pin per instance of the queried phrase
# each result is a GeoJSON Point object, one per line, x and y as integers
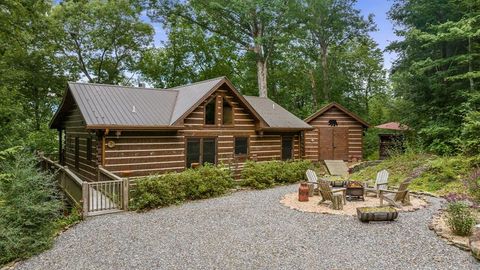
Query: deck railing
{"type": "Point", "coordinates": [109, 194]}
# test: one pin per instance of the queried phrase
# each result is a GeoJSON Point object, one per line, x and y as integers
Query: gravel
{"type": "Point", "coordinates": [250, 230]}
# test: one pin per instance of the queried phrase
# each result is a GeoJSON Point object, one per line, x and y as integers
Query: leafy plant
{"type": "Point", "coordinates": [262, 175]}
{"type": "Point", "coordinates": [30, 206]}
{"type": "Point", "coordinates": [460, 218]}
{"type": "Point", "coordinates": [171, 188]}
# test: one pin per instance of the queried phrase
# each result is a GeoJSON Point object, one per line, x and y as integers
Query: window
{"type": "Point", "coordinates": [201, 151]}
{"type": "Point", "coordinates": [210, 112]}
{"type": "Point", "coordinates": [89, 149]}
{"type": "Point", "coordinates": [241, 146]}
{"type": "Point", "coordinates": [193, 152]}
{"type": "Point", "coordinates": [77, 152]}
{"type": "Point", "coordinates": [227, 114]}
{"type": "Point", "coordinates": [287, 148]}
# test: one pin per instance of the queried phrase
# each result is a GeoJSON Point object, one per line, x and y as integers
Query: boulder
{"type": "Point", "coordinates": [474, 242]}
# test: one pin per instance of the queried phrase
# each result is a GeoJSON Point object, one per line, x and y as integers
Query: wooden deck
{"type": "Point", "coordinates": [107, 195]}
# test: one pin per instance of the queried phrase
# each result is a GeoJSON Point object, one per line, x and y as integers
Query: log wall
{"type": "Point", "coordinates": [75, 127]}
{"type": "Point", "coordinates": [143, 153]}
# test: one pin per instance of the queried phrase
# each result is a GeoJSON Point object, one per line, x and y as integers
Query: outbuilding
{"type": "Point", "coordinates": [337, 134]}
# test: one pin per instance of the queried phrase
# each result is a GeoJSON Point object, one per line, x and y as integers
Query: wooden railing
{"type": "Point", "coordinates": [67, 180]}
{"type": "Point", "coordinates": [109, 194]}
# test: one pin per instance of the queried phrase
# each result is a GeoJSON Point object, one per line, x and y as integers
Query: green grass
{"type": "Point", "coordinates": [443, 174]}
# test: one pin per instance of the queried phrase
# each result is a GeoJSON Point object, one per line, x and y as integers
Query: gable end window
{"type": "Point", "coordinates": [241, 146]}
{"type": "Point", "coordinates": [210, 112]}
{"type": "Point", "coordinates": [227, 116]}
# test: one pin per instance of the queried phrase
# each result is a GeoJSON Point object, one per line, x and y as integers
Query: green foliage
{"type": "Point", "coordinates": [442, 174]}
{"type": "Point", "coordinates": [436, 75]}
{"type": "Point", "coordinates": [262, 175]}
{"type": "Point", "coordinates": [103, 38]}
{"type": "Point", "coordinates": [470, 136]}
{"type": "Point", "coordinates": [30, 206]}
{"type": "Point", "coordinates": [460, 218]}
{"type": "Point", "coordinates": [171, 188]}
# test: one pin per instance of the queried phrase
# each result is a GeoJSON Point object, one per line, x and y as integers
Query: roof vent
{"type": "Point", "coordinates": [133, 109]}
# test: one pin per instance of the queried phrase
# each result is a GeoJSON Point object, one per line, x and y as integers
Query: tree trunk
{"type": "Point", "coordinates": [470, 68]}
{"type": "Point", "coordinates": [36, 108]}
{"type": "Point", "coordinates": [326, 90]}
{"type": "Point", "coordinates": [313, 84]}
{"type": "Point", "coordinates": [262, 77]}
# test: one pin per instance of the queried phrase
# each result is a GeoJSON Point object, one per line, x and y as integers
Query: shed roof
{"type": "Point", "coordinates": [275, 115]}
{"type": "Point", "coordinates": [393, 126]}
{"type": "Point", "coordinates": [113, 106]}
{"type": "Point", "coordinates": [341, 108]}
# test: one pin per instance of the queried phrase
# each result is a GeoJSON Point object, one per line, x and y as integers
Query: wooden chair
{"type": "Point", "coordinates": [327, 192]}
{"type": "Point", "coordinates": [380, 183]}
{"type": "Point", "coordinates": [401, 195]}
{"type": "Point", "coordinates": [312, 176]}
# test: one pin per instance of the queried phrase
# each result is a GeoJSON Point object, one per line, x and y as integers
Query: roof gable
{"type": "Point", "coordinates": [341, 108]}
{"type": "Point", "coordinates": [111, 106]}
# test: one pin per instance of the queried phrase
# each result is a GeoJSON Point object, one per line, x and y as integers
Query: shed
{"type": "Point", "coordinates": [391, 138]}
{"type": "Point", "coordinates": [337, 134]}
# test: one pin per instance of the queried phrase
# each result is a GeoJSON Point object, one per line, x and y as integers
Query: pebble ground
{"type": "Point", "coordinates": [250, 230]}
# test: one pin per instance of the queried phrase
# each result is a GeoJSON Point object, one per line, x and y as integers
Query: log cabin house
{"type": "Point", "coordinates": [337, 134]}
{"type": "Point", "coordinates": [132, 131]}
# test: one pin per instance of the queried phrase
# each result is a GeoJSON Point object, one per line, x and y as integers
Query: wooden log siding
{"type": "Point", "coordinates": [75, 127]}
{"type": "Point", "coordinates": [355, 134]}
{"type": "Point", "coordinates": [144, 155]}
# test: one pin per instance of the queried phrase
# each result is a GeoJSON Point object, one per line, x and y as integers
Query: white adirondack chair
{"type": "Point", "coordinates": [380, 183]}
{"type": "Point", "coordinates": [312, 177]}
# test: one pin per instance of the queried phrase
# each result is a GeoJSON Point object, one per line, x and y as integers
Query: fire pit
{"type": "Point", "coordinates": [355, 190]}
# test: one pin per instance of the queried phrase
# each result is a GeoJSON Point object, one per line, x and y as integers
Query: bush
{"type": "Point", "coordinates": [262, 175]}
{"type": "Point", "coordinates": [30, 206]}
{"type": "Point", "coordinates": [171, 188]}
{"type": "Point", "coordinates": [459, 218]}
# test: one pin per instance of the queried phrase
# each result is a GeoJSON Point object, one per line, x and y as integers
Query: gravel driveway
{"type": "Point", "coordinates": [250, 230]}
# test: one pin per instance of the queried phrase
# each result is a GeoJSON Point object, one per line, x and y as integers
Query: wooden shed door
{"type": "Point", "coordinates": [333, 143]}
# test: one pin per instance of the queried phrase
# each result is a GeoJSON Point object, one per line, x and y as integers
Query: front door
{"type": "Point", "coordinates": [333, 143]}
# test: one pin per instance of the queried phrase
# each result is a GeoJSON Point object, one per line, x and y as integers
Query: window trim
{"type": "Point", "coordinates": [201, 138]}
{"type": "Point", "coordinates": [235, 146]}
{"type": "Point", "coordinates": [215, 114]}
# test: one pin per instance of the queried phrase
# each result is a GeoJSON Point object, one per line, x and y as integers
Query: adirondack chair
{"type": "Point", "coordinates": [312, 176]}
{"type": "Point", "coordinates": [401, 195]}
{"type": "Point", "coordinates": [327, 192]}
{"type": "Point", "coordinates": [380, 183]}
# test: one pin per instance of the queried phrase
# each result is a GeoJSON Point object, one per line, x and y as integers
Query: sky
{"type": "Point", "coordinates": [378, 8]}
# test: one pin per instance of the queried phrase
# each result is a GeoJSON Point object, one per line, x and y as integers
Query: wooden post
{"type": "Point", "coordinates": [125, 194]}
{"type": "Point", "coordinates": [85, 199]}
{"type": "Point", "coordinates": [337, 202]}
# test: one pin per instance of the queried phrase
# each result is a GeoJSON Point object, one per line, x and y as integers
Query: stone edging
{"type": "Point", "coordinates": [434, 225]}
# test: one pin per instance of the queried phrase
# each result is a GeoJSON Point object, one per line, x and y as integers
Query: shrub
{"type": "Point", "coordinates": [459, 218]}
{"type": "Point", "coordinates": [191, 184]}
{"type": "Point", "coordinates": [262, 175]}
{"type": "Point", "coordinates": [30, 206]}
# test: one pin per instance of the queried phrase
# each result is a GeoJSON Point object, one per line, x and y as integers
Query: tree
{"type": "Point", "coordinates": [190, 54]}
{"type": "Point", "coordinates": [437, 69]}
{"type": "Point", "coordinates": [329, 24]}
{"type": "Point", "coordinates": [104, 38]}
{"type": "Point", "coordinates": [252, 25]}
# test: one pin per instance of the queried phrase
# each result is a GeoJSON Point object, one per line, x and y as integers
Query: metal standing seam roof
{"type": "Point", "coordinates": [104, 105]}
{"type": "Point", "coordinates": [275, 115]}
